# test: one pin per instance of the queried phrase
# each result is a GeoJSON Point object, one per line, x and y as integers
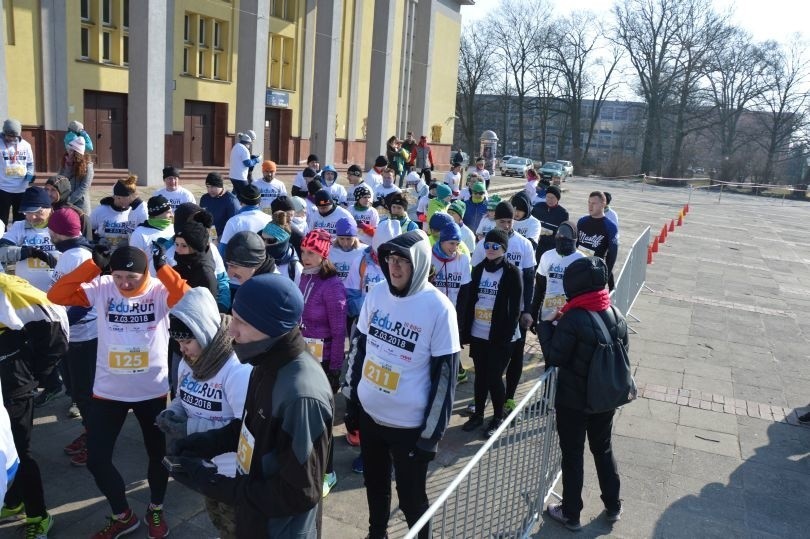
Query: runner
{"type": "Point", "coordinates": [173, 191]}
{"type": "Point", "coordinates": [111, 220]}
{"type": "Point", "coordinates": [364, 214]}
{"type": "Point", "coordinates": [158, 228]}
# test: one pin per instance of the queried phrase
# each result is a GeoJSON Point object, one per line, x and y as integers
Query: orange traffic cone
{"type": "Point", "coordinates": [663, 237]}
{"type": "Point", "coordinates": [680, 220]}
{"type": "Point", "coordinates": [649, 255]}
{"type": "Point", "coordinates": [655, 245]}
{"type": "Point", "coordinates": [685, 209]}
{"type": "Point", "coordinates": [672, 225]}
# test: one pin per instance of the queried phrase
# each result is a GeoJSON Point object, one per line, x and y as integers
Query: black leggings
{"type": "Point", "coordinates": [515, 369]}
{"type": "Point", "coordinates": [81, 365]}
{"type": "Point", "coordinates": [10, 201]}
{"type": "Point", "coordinates": [103, 426]}
{"type": "Point", "coordinates": [27, 485]}
{"type": "Point", "coordinates": [489, 360]}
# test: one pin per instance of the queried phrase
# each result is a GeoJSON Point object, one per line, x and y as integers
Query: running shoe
{"type": "Point", "coordinates": [804, 419]}
{"type": "Point", "coordinates": [462, 375]}
{"type": "Point", "coordinates": [475, 421]}
{"type": "Point", "coordinates": [9, 514]}
{"type": "Point", "coordinates": [116, 527]}
{"type": "Point", "coordinates": [38, 527]}
{"type": "Point", "coordinates": [45, 397]}
{"type": "Point", "coordinates": [73, 411]}
{"type": "Point", "coordinates": [555, 511]}
{"type": "Point", "coordinates": [357, 464]}
{"type": "Point", "coordinates": [614, 516]}
{"type": "Point", "coordinates": [329, 481]}
{"type": "Point", "coordinates": [353, 438]}
{"type": "Point", "coordinates": [493, 426]}
{"type": "Point", "coordinates": [156, 527]}
{"type": "Point", "coordinates": [80, 458]}
{"type": "Point", "coordinates": [76, 445]}
{"type": "Point", "coordinates": [469, 410]}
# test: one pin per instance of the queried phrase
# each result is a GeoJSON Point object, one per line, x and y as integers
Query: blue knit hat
{"type": "Point", "coordinates": [34, 199]}
{"type": "Point", "coordinates": [450, 232]}
{"type": "Point", "coordinates": [344, 227]}
{"type": "Point", "coordinates": [443, 191]}
{"type": "Point", "coordinates": [269, 302]}
{"type": "Point", "coordinates": [439, 220]}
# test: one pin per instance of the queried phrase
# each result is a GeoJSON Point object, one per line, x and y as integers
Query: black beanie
{"type": "Point", "coordinates": [245, 249]}
{"type": "Point", "coordinates": [608, 198]}
{"type": "Point", "coordinates": [122, 190]}
{"type": "Point", "coordinates": [170, 171]}
{"type": "Point", "coordinates": [322, 198]}
{"type": "Point", "coordinates": [381, 161]}
{"type": "Point", "coordinates": [312, 157]}
{"type": "Point", "coordinates": [129, 259]}
{"type": "Point", "coordinates": [554, 190]}
{"type": "Point", "coordinates": [179, 330]}
{"type": "Point", "coordinates": [281, 204]}
{"type": "Point", "coordinates": [504, 210]}
{"type": "Point", "coordinates": [249, 195]}
{"type": "Point", "coordinates": [313, 186]}
{"type": "Point", "coordinates": [355, 170]}
{"type": "Point", "coordinates": [183, 213]}
{"type": "Point", "coordinates": [497, 235]}
{"type": "Point", "coordinates": [215, 180]}
{"type": "Point", "coordinates": [396, 198]}
{"type": "Point", "coordinates": [157, 205]}
{"type": "Point", "coordinates": [521, 202]}
{"type": "Point", "coordinates": [309, 173]}
{"type": "Point", "coordinates": [195, 235]}
{"type": "Point", "coordinates": [583, 275]}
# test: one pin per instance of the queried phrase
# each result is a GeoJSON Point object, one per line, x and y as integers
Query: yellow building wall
{"type": "Point", "coordinates": [396, 59]}
{"type": "Point", "coordinates": [360, 86]}
{"type": "Point", "coordinates": [23, 62]}
{"type": "Point", "coordinates": [444, 72]}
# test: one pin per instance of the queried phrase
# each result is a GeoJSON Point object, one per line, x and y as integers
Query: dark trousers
{"type": "Point", "coordinates": [53, 381]}
{"type": "Point", "coordinates": [238, 185]}
{"type": "Point", "coordinates": [27, 485]}
{"type": "Point", "coordinates": [10, 201]}
{"type": "Point", "coordinates": [81, 366]}
{"type": "Point", "coordinates": [380, 446]}
{"type": "Point", "coordinates": [515, 369]}
{"type": "Point", "coordinates": [104, 424]}
{"type": "Point", "coordinates": [572, 427]}
{"type": "Point", "coordinates": [490, 361]}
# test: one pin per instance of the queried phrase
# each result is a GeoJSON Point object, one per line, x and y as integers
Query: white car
{"type": "Point", "coordinates": [568, 166]}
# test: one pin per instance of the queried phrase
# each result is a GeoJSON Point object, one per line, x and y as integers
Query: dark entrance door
{"type": "Point", "coordinates": [272, 134]}
{"type": "Point", "coordinates": [105, 120]}
{"type": "Point", "coordinates": [198, 134]}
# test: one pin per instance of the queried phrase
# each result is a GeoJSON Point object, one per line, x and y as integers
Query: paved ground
{"type": "Point", "coordinates": [708, 451]}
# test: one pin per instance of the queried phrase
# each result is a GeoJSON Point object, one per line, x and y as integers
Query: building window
{"type": "Point", "coordinates": [85, 37]}
{"type": "Point", "coordinates": [283, 9]}
{"type": "Point", "coordinates": [282, 55]}
{"type": "Point", "coordinates": [125, 14]}
{"type": "Point", "coordinates": [216, 73]}
{"type": "Point", "coordinates": [106, 12]}
{"type": "Point", "coordinates": [187, 29]}
{"type": "Point", "coordinates": [201, 64]}
{"type": "Point", "coordinates": [217, 36]}
{"type": "Point", "coordinates": [206, 51]}
{"type": "Point", "coordinates": [84, 10]}
{"type": "Point", "coordinates": [125, 49]}
{"type": "Point", "coordinates": [185, 61]}
{"type": "Point", "coordinates": [201, 35]}
{"type": "Point", "coordinates": [105, 46]}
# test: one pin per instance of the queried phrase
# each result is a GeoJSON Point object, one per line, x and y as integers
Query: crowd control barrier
{"type": "Point", "coordinates": [633, 275]}
{"type": "Point", "coordinates": [502, 490]}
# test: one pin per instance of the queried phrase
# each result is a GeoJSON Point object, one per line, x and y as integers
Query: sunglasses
{"type": "Point", "coordinates": [396, 261]}
{"type": "Point", "coordinates": [492, 246]}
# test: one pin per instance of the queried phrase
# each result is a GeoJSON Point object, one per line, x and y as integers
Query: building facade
{"type": "Point", "coordinates": [172, 81]}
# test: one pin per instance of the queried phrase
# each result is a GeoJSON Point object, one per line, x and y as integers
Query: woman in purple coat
{"type": "Point", "coordinates": [323, 323]}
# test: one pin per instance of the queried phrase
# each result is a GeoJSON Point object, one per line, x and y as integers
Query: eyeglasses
{"type": "Point", "coordinates": [492, 246]}
{"type": "Point", "coordinates": [398, 261]}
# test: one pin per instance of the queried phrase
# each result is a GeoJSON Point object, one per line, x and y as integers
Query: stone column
{"type": "Point", "coordinates": [147, 90]}
{"type": "Point", "coordinates": [170, 71]}
{"type": "Point", "coordinates": [251, 68]}
{"type": "Point", "coordinates": [4, 78]}
{"type": "Point", "coordinates": [419, 120]}
{"type": "Point", "coordinates": [354, 71]}
{"type": "Point", "coordinates": [379, 93]}
{"type": "Point", "coordinates": [54, 65]}
{"type": "Point", "coordinates": [326, 76]}
{"type": "Point", "coordinates": [308, 71]}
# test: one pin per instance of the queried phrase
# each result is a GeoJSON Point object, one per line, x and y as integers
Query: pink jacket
{"type": "Point", "coordinates": [325, 315]}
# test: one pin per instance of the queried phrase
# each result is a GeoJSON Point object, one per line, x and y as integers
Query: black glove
{"type": "Point", "coordinates": [101, 257]}
{"type": "Point", "coordinates": [194, 474]}
{"type": "Point", "coordinates": [352, 416]}
{"type": "Point", "coordinates": [421, 455]}
{"type": "Point", "coordinates": [334, 380]}
{"type": "Point", "coordinates": [158, 255]}
{"type": "Point", "coordinates": [198, 445]}
{"type": "Point", "coordinates": [46, 257]}
{"type": "Point", "coordinates": [431, 168]}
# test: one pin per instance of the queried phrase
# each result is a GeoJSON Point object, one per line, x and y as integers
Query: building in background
{"type": "Point", "coordinates": [172, 81]}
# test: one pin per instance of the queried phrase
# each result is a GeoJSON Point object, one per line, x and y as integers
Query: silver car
{"type": "Point", "coordinates": [568, 166]}
{"type": "Point", "coordinates": [516, 166]}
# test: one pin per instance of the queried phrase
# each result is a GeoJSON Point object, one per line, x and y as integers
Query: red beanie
{"type": "Point", "coordinates": [65, 221]}
{"type": "Point", "coordinates": [318, 241]}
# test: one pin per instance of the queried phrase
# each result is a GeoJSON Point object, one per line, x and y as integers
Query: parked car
{"type": "Point", "coordinates": [459, 156]}
{"type": "Point", "coordinates": [553, 171]}
{"type": "Point", "coordinates": [502, 161]}
{"type": "Point", "coordinates": [568, 166]}
{"type": "Point", "coordinates": [516, 166]}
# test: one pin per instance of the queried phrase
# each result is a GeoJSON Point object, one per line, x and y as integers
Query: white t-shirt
{"type": "Point", "coordinates": [338, 193]}
{"type": "Point", "coordinates": [467, 236]}
{"type": "Point", "coordinates": [110, 225]}
{"type": "Point", "coordinates": [382, 191]}
{"type": "Point", "coordinates": [451, 275]}
{"type": "Point", "coordinates": [253, 220]}
{"type": "Point", "coordinates": [485, 303]}
{"type": "Point", "coordinates": [453, 180]}
{"type": "Point", "coordinates": [270, 191]}
{"type": "Point", "coordinates": [368, 216]}
{"type": "Point", "coordinates": [18, 161]}
{"type": "Point", "coordinates": [519, 252]}
{"type": "Point", "coordinates": [239, 154]}
{"type": "Point", "coordinates": [179, 196]}
{"type": "Point", "coordinates": [402, 335]}
{"type": "Point", "coordinates": [33, 270]}
{"type": "Point", "coordinates": [133, 341]}
{"type": "Point", "coordinates": [530, 189]}
{"type": "Point", "coordinates": [372, 275]}
{"type": "Point", "coordinates": [86, 328]}
{"type": "Point", "coordinates": [343, 260]}
{"type": "Point", "coordinates": [552, 266]}
{"type": "Point", "coordinates": [529, 228]}
{"type": "Point", "coordinates": [142, 238]}
{"type": "Point", "coordinates": [328, 222]}
{"type": "Point", "coordinates": [373, 179]}
{"type": "Point", "coordinates": [138, 215]}
{"type": "Point", "coordinates": [350, 200]}
{"type": "Point", "coordinates": [484, 225]}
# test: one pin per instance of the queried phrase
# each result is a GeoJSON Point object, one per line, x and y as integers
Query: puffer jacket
{"type": "Point", "coordinates": [324, 315]}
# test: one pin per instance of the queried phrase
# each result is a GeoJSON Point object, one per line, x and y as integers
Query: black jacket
{"type": "Point", "coordinates": [506, 311]}
{"type": "Point", "coordinates": [198, 270]}
{"type": "Point", "coordinates": [551, 219]}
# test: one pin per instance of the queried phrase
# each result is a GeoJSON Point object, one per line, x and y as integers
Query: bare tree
{"type": "Point", "coordinates": [602, 87]}
{"type": "Point", "coordinates": [476, 71]}
{"type": "Point", "coordinates": [648, 30]}
{"type": "Point", "coordinates": [783, 104]}
{"type": "Point", "coordinates": [737, 79]}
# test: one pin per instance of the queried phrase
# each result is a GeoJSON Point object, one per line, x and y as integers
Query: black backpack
{"type": "Point", "coordinates": [610, 380]}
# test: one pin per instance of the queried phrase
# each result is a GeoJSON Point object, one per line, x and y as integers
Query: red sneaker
{"type": "Point", "coordinates": [156, 527]}
{"type": "Point", "coordinates": [353, 437]}
{"type": "Point", "coordinates": [77, 445]}
{"type": "Point", "coordinates": [80, 458]}
{"type": "Point", "coordinates": [116, 528]}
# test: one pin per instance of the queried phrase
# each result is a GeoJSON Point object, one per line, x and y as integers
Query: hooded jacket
{"type": "Point", "coordinates": [412, 332]}
{"type": "Point", "coordinates": [324, 316]}
{"type": "Point", "coordinates": [570, 346]}
{"type": "Point", "coordinates": [62, 185]}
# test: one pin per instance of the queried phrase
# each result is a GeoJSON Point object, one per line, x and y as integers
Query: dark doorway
{"type": "Point", "coordinates": [272, 128]}
{"type": "Point", "coordinates": [198, 134]}
{"type": "Point", "coordinates": [105, 120]}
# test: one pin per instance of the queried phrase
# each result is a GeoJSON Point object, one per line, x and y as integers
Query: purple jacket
{"type": "Point", "coordinates": [325, 315]}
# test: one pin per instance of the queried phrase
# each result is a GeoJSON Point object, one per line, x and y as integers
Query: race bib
{"type": "Point", "coordinates": [483, 315]}
{"type": "Point", "coordinates": [550, 306]}
{"type": "Point", "coordinates": [37, 264]}
{"type": "Point", "coordinates": [584, 250]}
{"type": "Point", "coordinates": [127, 359]}
{"type": "Point", "coordinates": [244, 451]}
{"type": "Point", "coordinates": [315, 347]}
{"type": "Point", "coordinates": [15, 170]}
{"type": "Point", "coordinates": [212, 235]}
{"type": "Point", "coordinates": [113, 241]}
{"type": "Point", "coordinates": [385, 379]}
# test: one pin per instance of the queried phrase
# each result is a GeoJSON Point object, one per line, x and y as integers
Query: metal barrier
{"type": "Point", "coordinates": [502, 490]}
{"type": "Point", "coordinates": [633, 276]}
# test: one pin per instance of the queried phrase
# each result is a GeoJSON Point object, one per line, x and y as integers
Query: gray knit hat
{"type": "Point", "coordinates": [12, 127]}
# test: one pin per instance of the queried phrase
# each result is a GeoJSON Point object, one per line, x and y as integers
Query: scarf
{"type": "Point", "coordinates": [441, 255]}
{"type": "Point", "coordinates": [215, 354]}
{"type": "Point", "coordinates": [159, 224]}
{"type": "Point", "coordinates": [493, 265]}
{"type": "Point", "coordinates": [598, 300]}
